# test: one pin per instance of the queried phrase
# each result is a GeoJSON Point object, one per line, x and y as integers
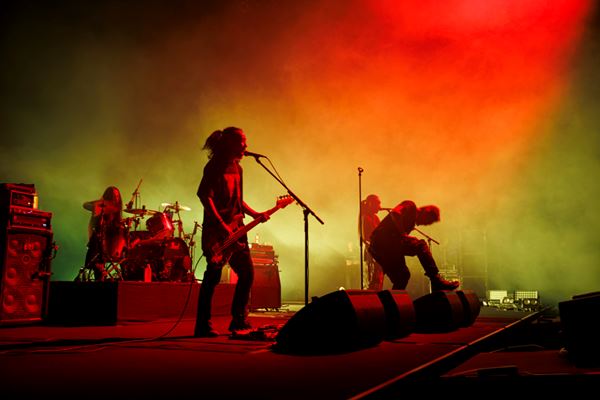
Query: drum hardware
{"type": "Point", "coordinates": [101, 271]}
{"type": "Point", "coordinates": [172, 209]}
{"type": "Point", "coordinates": [175, 207]}
{"type": "Point", "coordinates": [133, 207]}
{"type": "Point", "coordinates": [135, 198]}
{"type": "Point", "coordinates": [169, 260]}
{"type": "Point", "coordinates": [189, 238]}
{"type": "Point", "coordinates": [140, 212]}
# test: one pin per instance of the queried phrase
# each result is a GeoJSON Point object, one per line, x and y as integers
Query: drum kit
{"type": "Point", "coordinates": [162, 246]}
{"type": "Point", "coordinates": [160, 252]}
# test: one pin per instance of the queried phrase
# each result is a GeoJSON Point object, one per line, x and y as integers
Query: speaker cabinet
{"type": "Point", "coordinates": [440, 311]}
{"type": "Point", "coordinates": [399, 313]}
{"type": "Point", "coordinates": [18, 195]}
{"type": "Point", "coordinates": [471, 306]}
{"type": "Point", "coordinates": [580, 322]}
{"type": "Point", "coordinates": [339, 321]}
{"type": "Point", "coordinates": [24, 255]}
{"type": "Point", "coordinates": [266, 289]}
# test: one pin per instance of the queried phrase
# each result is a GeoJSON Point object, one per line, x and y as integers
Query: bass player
{"type": "Point", "coordinates": [221, 194]}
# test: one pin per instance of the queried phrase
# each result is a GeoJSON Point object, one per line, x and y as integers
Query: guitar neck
{"type": "Point", "coordinates": [246, 228]}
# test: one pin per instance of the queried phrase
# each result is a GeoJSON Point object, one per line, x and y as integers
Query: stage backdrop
{"type": "Point", "coordinates": [486, 109]}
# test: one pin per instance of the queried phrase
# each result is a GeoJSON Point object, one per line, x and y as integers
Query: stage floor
{"type": "Point", "coordinates": [161, 358]}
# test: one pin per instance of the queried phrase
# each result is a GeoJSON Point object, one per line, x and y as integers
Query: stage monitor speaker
{"type": "Point", "coordinates": [25, 266]}
{"type": "Point", "coordinates": [336, 322]}
{"type": "Point", "coordinates": [399, 313]}
{"type": "Point", "coordinates": [439, 311]}
{"type": "Point", "coordinates": [580, 323]}
{"type": "Point", "coordinates": [471, 306]}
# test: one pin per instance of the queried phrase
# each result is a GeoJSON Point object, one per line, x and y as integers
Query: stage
{"type": "Point", "coordinates": [138, 356]}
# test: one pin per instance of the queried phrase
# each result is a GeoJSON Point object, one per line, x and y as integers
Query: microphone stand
{"type": "Point", "coordinates": [306, 211]}
{"type": "Point", "coordinates": [429, 238]}
{"type": "Point", "coordinates": [360, 226]}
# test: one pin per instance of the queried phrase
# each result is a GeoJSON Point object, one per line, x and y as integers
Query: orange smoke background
{"type": "Point", "coordinates": [485, 109]}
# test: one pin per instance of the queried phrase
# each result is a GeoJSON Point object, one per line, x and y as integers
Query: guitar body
{"type": "Point", "coordinates": [218, 249]}
{"type": "Point", "coordinates": [212, 244]}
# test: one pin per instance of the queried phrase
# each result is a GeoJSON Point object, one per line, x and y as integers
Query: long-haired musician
{"type": "Point", "coordinates": [105, 231]}
{"type": "Point", "coordinates": [221, 194]}
{"type": "Point", "coordinates": [369, 207]}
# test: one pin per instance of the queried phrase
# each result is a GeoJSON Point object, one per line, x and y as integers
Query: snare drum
{"type": "Point", "coordinates": [160, 226]}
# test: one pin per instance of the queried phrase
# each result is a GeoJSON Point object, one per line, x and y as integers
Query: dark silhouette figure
{"type": "Point", "coordinates": [106, 234]}
{"type": "Point", "coordinates": [221, 194]}
{"type": "Point", "coordinates": [391, 243]}
{"type": "Point", "coordinates": [369, 221]}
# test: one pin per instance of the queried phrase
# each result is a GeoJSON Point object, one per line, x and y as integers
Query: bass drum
{"type": "Point", "coordinates": [169, 260]}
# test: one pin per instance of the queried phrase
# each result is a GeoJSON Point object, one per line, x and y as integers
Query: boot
{"type": "Point", "coordinates": [439, 283]}
{"type": "Point", "coordinates": [239, 324]}
{"type": "Point", "coordinates": [205, 329]}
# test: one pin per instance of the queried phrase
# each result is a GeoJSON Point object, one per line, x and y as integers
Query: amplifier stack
{"type": "Point", "coordinates": [266, 289]}
{"type": "Point", "coordinates": [25, 253]}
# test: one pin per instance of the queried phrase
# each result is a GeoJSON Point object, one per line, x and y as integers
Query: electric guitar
{"type": "Point", "coordinates": [220, 251]}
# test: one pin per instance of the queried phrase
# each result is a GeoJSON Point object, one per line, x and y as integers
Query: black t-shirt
{"type": "Point", "coordinates": [396, 224]}
{"type": "Point", "coordinates": [223, 182]}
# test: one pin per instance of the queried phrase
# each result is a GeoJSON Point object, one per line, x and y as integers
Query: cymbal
{"type": "Point", "coordinates": [140, 211]}
{"type": "Point", "coordinates": [101, 205]}
{"type": "Point", "coordinates": [176, 206]}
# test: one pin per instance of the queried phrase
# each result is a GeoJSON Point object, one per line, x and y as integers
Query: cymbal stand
{"type": "Point", "coordinates": [135, 203]}
{"type": "Point", "coordinates": [113, 271]}
{"type": "Point", "coordinates": [178, 221]}
{"type": "Point", "coordinates": [174, 216]}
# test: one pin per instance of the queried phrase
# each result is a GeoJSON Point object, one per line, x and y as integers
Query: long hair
{"type": "Point", "coordinates": [113, 195]}
{"type": "Point", "coordinates": [367, 209]}
{"type": "Point", "coordinates": [432, 212]}
{"type": "Point", "coordinates": [219, 141]}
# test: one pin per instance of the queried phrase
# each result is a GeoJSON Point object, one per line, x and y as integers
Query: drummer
{"type": "Point", "coordinates": [105, 220]}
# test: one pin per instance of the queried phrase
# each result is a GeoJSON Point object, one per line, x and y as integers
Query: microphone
{"type": "Point", "coordinates": [385, 209]}
{"type": "Point", "coordinates": [255, 155]}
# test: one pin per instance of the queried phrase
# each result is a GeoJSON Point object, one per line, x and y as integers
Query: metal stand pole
{"type": "Point", "coordinates": [360, 226]}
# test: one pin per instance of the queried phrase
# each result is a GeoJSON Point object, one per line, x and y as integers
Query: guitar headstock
{"type": "Point", "coordinates": [285, 200]}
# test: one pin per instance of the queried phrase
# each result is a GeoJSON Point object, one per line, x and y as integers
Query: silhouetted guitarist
{"type": "Point", "coordinates": [220, 192]}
